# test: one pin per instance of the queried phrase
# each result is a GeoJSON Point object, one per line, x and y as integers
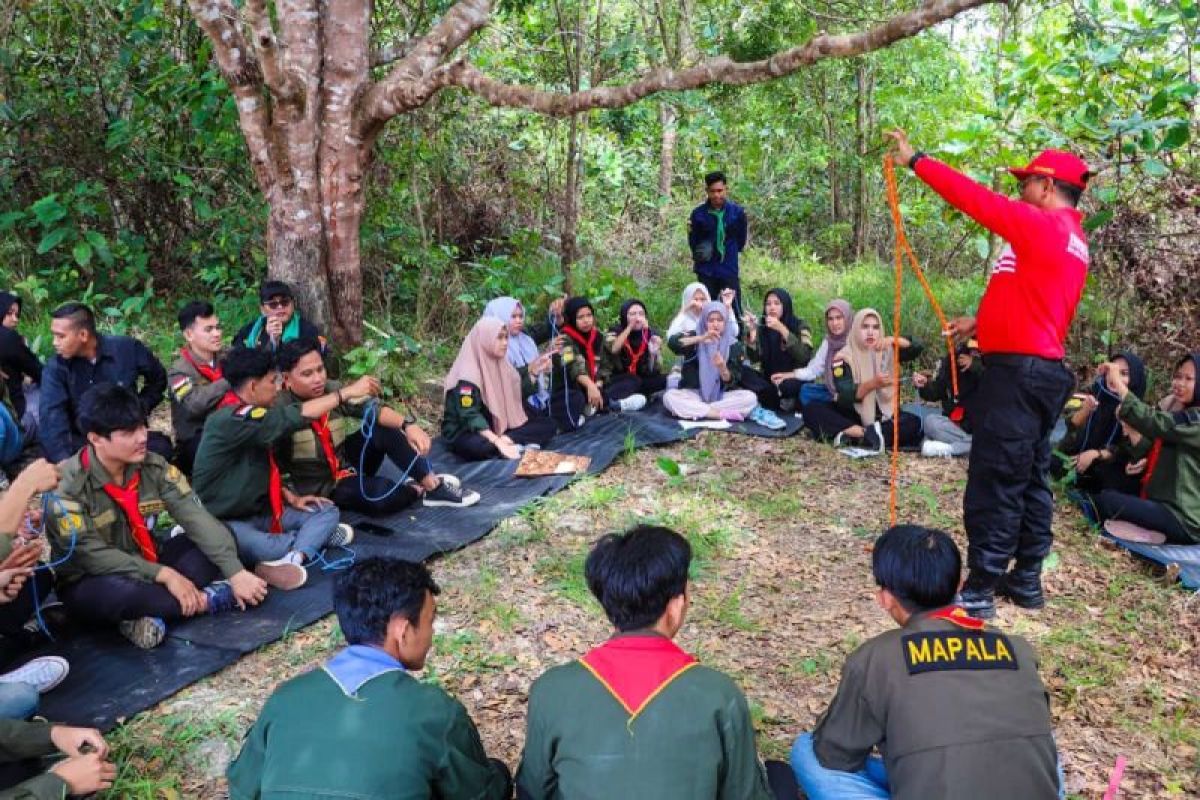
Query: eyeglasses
{"type": "Point", "coordinates": [278, 302]}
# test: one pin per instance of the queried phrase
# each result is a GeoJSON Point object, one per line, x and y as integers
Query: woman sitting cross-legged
{"type": "Point", "coordinates": [862, 409]}
{"type": "Point", "coordinates": [485, 415]}
{"type": "Point", "coordinates": [632, 363]}
{"type": "Point", "coordinates": [1169, 501]}
{"type": "Point", "coordinates": [711, 368]}
{"type": "Point", "coordinates": [780, 342]}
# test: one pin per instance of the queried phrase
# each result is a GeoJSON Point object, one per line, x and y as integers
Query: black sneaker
{"type": "Point", "coordinates": [447, 494]}
{"type": "Point", "coordinates": [979, 602]}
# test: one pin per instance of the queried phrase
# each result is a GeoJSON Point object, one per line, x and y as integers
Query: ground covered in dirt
{"type": "Point", "coordinates": [782, 594]}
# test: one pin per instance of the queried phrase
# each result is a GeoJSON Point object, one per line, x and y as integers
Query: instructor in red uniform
{"type": "Point", "coordinates": [1021, 325]}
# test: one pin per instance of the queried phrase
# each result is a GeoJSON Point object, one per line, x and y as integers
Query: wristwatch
{"type": "Point", "coordinates": [917, 156]}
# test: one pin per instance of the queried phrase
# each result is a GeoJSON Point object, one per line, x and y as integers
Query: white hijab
{"type": "Point", "coordinates": [686, 321]}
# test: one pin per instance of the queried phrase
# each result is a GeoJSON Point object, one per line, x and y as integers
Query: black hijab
{"type": "Point", "coordinates": [774, 354]}
{"type": "Point", "coordinates": [587, 342]}
{"type": "Point", "coordinates": [635, 337]}
{"type": "Point", "coordinates": [1102, 427]}
{"type": "Point", "coordinates": [7, 301]}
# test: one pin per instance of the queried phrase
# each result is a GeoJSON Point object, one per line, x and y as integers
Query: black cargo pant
{"type": "Point", "coordinates": [1008, 506]}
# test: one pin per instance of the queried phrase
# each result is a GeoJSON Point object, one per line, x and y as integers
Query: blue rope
{"type": "Point", "coordinates": [370, 417]}
{"type": "Point", "coordinates": [336, 564]}
{"type": "Point", "coordinates": [566, 388]}
{"type": "Point", "coordinates": [47, 498]}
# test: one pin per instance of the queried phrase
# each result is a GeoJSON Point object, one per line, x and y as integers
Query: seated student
{"type": "Point", "coordinates": [1095, 441]}
{"type": "Point", "coordinates": [17, 361]}
{"type": "Point", "coordinates": [21, 580]}
{"type": "Point", "coordinates": [279, 321]}
{"type": "Point", "coordinates": [949, 433]}
{"type": "Point", "coordinates": [585, 364]}
{"type": "Point", "coordinates": [631, 366]}
{"type": "Point", "coordinates": [380, 732]}
{"type": "Point", "coordinates": [195, 379]}
{"type": "Point", "coordinates": [780, 342]}
{"type": "Point", "coordinates": [862, 409]}
{"type": "Point", "coordinates": [1169, 501]}
{"type": "Point", "coordinates": [711, 368]}
{"type": "Point", "coordinates": [638, 716]}
{"type": "Point", "coordinates": [532, 366]}
{"type": "Point", "coordinates": [956, 709]}
{"type": "Point", "coordinates": [85, 358]}
{"type": "Point", "coordinates": [13, 442]}
{"type": "Point", "coordinates": [484, 416]}
{"type": "Point", "coordinates": [23, 746]}
{"type": "Point", "coordinates": [816, 377]}
{"type": "Point", "coordinates": [695, 297]}
{"type": "Point", "coordinates": [332, 457]}
{"type": "Point", "coordinates": [118, 571]}
{"type": "Point", "coordinates": [238, 478]}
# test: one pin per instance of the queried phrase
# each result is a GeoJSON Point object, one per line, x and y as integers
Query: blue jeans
{"type": "Point", "coordinates": [814, 392]}
{"type": "Point", "coordinates": [303, 531]}
{"type": "Point", "coordinates": [869, 783]}
{"type": "Point", "coordinates": [17, 700]}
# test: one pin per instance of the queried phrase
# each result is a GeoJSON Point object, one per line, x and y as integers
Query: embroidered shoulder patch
{"type": "Point", "coordinates": [255, 413]}
{"type": "Point", "coordinates": [568, 355]}
{"type": "Point", "coordinates": [839, 369]}
{"type": "Point", "coordinates": [806, 336]}
{"type": "Point", "coordinates": [181, 386]}
{"type": "Point", "coordinates": [945, 651]}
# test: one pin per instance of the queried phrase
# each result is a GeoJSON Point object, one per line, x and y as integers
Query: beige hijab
{"type": "Point", "coordinates": [497, 379]}
{"type": "Point", "coordinates": [866, 363]}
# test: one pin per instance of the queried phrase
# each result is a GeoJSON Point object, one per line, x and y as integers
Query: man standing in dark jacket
{"type": "Point", "coordinates": [717, 234]}
{"type": "Point", "coordinates": [85, 358]}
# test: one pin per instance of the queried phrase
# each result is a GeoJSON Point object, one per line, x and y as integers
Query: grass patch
{"type": "Point", "coordinates": [149, 766]}
{"type": "Point", "coordinates": [565, 575]}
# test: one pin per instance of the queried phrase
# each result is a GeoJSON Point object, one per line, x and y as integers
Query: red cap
{"type": "Point", "coordinates": [1058, 165]}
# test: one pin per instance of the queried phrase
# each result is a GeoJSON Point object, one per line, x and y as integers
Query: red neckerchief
{"type": "Point", "coordinates": [1151, 463]}
{"type": "Point", "coordinates": [588, 345]}
{"type": "Point", "coordinates": [213, 374]}
{"type": "Point", "coordinates": [275, 479]}
{"type": "Point", "coordinates": [636, 356]}
{"type": "Point", "coordinates": [126, 498]}
{"type": "Point", "coordinates": [635, 669]}
{"type": "Point", "coordinates": [325, 437]}
{"type": "Point", "coordinates": [959, 616]}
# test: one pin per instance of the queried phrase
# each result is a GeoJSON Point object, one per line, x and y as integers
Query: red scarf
{"type": "Point", "coordinates": [958, 616]}
{"type": "Point", "coordinates": [325, 437]}
{"type": "Point", "coordinates": [212, 374]}
{"type": "Point", "coordinates": [126, 498]}
{"type": "Point", "coordinates": [275, 479]}
{"type": "Point", "coordinates": [588, 345]}
{"type": "Point", "coordinates": [636, 669]}
{"type": "Point", "coordinates": [635, 356]}
{"type": "Point", "coordinates": [1151, 463]}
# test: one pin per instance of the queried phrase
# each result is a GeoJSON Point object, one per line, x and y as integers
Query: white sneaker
{"type": "Point", "coordinates": [635, 402]}
{"type": "Point", "coordinates": [176, 531]}
{"type": "Point", "coordinates": [342, 535]}
{"type": "Point", "coordinates": [42, 673]}
{"type": "Point", "coordinates": [450, 480]}
{"type": "Point", "coordinates": [283, 573]}
{"type": "Point", "coordinates": [934, 449]}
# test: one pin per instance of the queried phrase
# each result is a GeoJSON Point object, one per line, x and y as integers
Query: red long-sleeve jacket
{"type": "Point", "coordinates": [1038, 279]}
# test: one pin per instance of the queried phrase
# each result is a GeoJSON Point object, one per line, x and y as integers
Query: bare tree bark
{"type": "Point", "coordinates": [864, 82]}
{"type": "Point", "coordinates": [310, 113]}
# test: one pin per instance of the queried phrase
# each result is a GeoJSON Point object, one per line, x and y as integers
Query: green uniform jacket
{"type": "Point", "coordinates": [693, 741]}
{"type": "Point", "coordinates": [232, 470]}
{"type": "Point", "coordinates": [193, 398]}
{"type": "Point", "coordinates": [847, 385]}
{"type": "Point", "coordinates": [799, 348]}
{"type": "Point", "coordinates": [964, 725]}
{"type": "Point", "coordinates": [20, 740]}
{"type": "Point", "coordinates": [689, 377]}
{"type": "Point", "coordinates": [618, 363]}
{"type": "Point", "coordinates": [1176, 479]}
{"type": "Point", "coordinates": [396, 739]}
{"type": "Point", "coordinates": [464, 411]}
{"type": "Point", "coordinates": [300, 457]}
{"type": "Point", "coordinates": [104, 543]}
{"type": "Point", "coordinates": [575, 363]}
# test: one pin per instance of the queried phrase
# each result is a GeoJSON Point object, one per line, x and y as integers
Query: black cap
{"type": "Point", "coordinates": [271, 289]}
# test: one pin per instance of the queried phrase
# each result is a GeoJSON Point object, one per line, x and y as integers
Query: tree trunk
{"type": "Point", "coordinates": [297, 253]}
{"type": "Point", "coordinates": [666, 166]}
{"type": "Point", "coordinates": [862, 82]}
{"type": "Point", "coordinates": [570, 220]}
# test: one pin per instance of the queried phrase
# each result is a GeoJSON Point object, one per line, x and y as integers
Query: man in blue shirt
{"type": "Point", "coordinates": [717, 233]}
{"type": "Point", "coordinates": [85, 358]}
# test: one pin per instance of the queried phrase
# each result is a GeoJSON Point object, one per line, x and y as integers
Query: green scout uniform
{"type": "Point", "coordinates": [847, 385]}
{"type": "Point", "coordinates": [1175, 479]}
{"type": "Point", "coordinates": [193, 398]}
{"type": "Point", "coordinates": [233, 467]}
{"type": "Point", "coordinates": [570, 364]}
{"type": "Point", "coordinates": [799, 348]}
{"type": "Point", "coordinates": [639, 718]}
{"type": "Point", "coordinates": [464, 411]}
{"type": "Point", "coordinates": [301, 458]}
{"type": "Point", "coordinates": [104, 543]}
{"type": "Point", "coordinates": [956, 709]}
{"type": "Point", "coordinates": [689, 377]}
{"type": "Point", "coordinates": [20, 740]}
{"type": "Point", "coordinates": [362, 733]}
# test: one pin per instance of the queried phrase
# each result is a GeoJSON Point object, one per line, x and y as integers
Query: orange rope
{"type": "Point", "coordinates": [903, 248]}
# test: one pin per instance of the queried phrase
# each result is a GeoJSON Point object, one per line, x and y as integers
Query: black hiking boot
{"type": "Point", "coordinates": [1023, 586]}
{"type": "Point", "coordinates": [978, 596]}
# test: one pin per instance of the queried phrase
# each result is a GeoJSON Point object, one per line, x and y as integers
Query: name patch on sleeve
{"type": "Point", "coordinates": [942, 651]}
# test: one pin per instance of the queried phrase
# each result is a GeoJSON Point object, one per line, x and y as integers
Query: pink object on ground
{"type": "Point", "coordinates": [1114, 781]}
{"type": "Point", "coordinates": [1133, 533]}
{"type": "Point", "coordinates": [732, 416]}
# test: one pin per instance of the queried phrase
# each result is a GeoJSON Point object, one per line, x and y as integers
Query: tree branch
{"type": "Point", "coordinates": [283, 86]}
{"type": "Point", "coordinates": [720, 70]}
{"type": "Point", "coordinates": [391, 53]}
